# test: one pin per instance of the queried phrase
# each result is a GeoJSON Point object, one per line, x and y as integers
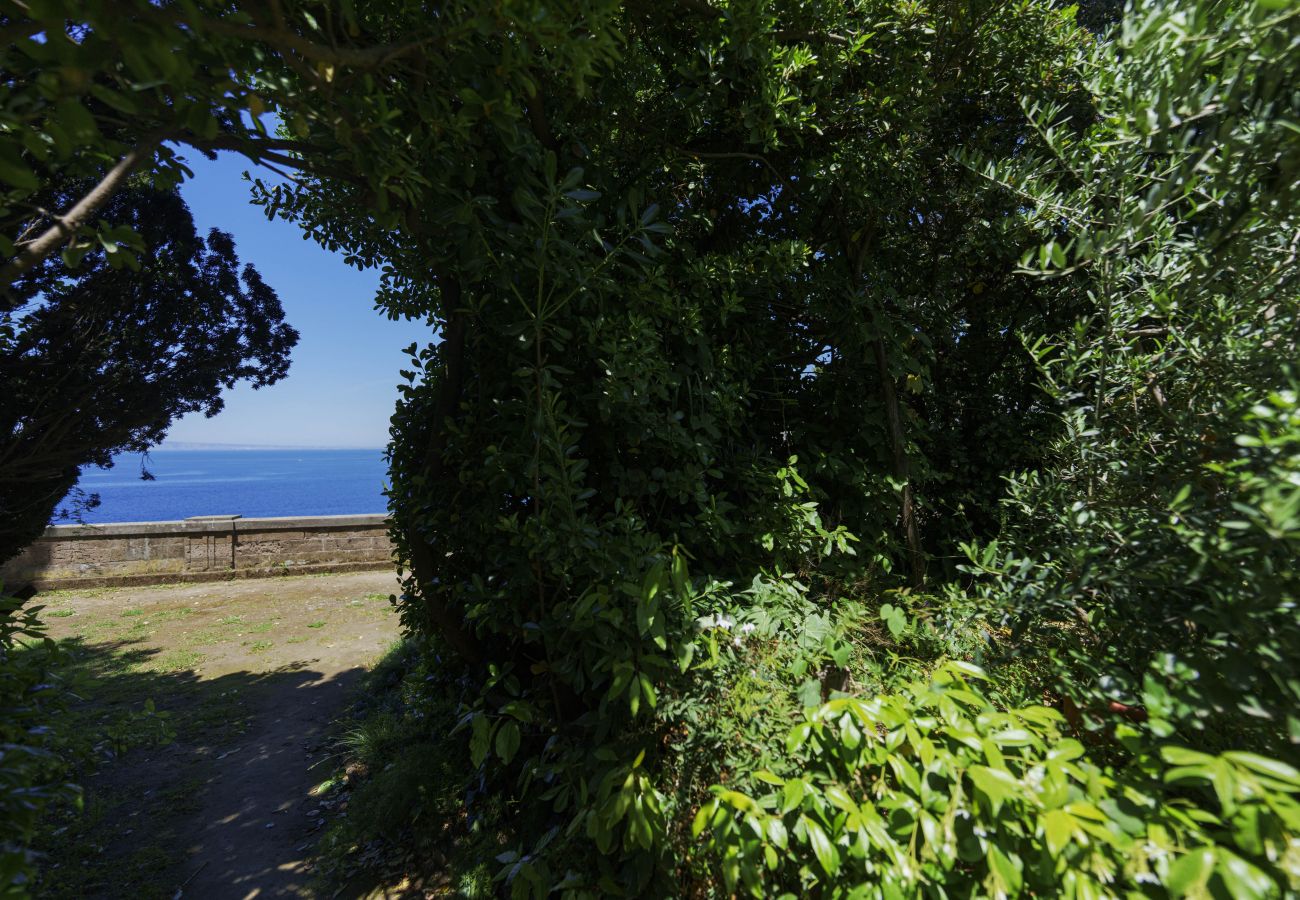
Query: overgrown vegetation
{"type": "Point", "coordinates": [401, 790]}
{"type": "Point", "coordinates": [30, 772]}
{"type": "Point", "coordinates": [860, 456]}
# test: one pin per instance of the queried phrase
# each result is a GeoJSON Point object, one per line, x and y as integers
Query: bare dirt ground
{"type": "Point", "coordinates": [247, 677]}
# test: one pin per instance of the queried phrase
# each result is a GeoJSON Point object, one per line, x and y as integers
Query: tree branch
{"type": "Point", "coordinates": [66, 225]}
{"type": "Point", "coordinates": [266, 151]}
{"type": "Point", "coordinates": [283, 39]}
{"type": "Point", "coordinates": [740, 154]}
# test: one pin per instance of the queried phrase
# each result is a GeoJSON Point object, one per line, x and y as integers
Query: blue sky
{"type": "Point", "coordinates": [342, 384]}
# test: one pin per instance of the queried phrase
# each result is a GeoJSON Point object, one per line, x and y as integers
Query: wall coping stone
{"type": "Point", "coordinates": [213, 525]}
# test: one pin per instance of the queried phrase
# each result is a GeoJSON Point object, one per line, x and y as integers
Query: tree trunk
{"type": "Point", "coordinates": [854, 253]}
{"type": "Point", "coordinates": [898, 449]}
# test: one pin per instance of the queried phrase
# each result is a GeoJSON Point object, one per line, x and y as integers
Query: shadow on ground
{"type": "Point", "coordinates": [208, 793]}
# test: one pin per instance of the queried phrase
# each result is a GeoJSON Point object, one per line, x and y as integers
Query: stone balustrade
{"type": "Point", "coordinates": [203, 548]}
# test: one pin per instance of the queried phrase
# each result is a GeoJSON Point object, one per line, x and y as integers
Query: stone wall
{"type": "Point", "coordinates": [205, 548]}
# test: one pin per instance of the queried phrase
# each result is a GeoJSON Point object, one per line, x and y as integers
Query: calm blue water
{"type": "Point", "coordinates": [247, 482]}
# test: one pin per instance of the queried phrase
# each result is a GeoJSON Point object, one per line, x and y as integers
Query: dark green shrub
{"type": "Point", "coordinates": [31, 775]}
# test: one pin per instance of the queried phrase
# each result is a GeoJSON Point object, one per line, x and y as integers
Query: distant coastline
{"type": "Point", "coordinates": [191, 445]}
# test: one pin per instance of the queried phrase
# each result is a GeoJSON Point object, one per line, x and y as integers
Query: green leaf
{"type": "Point", "coordinates": [810, 693]}
{"type": "Point", "coordinates": [793, 794]}
{"type": "Point", "coordinates": [1181, 756]}
{"type": "Point", "coordinates": [840, 798]}
{"type": "Point", "coordinates": [702, 817]}
{"type": "Point", "coordinates": [77, 119]}
{"type": "Point", "coordinates": [997, 784]}
{"type": "Point", "coordinates": [17, 173]}
{"type": "Point", "coordinates": [1005, 869]}
{"type": "Point", "coordinates": [1190, 871]}
{"type": "Point", "coordinates": [776, 832]}
{"type": "Point", "coordinates": [648, 690]}
{"type": "Point", "coordinates": [798, 735]}
{"type": "Point", "coordinates": [479, 742]}
{"type": "Point", "coordinates": [1263, 765]}
{"type": "Point", "coordinates": [1058, 828]}
{"type": "Point", "coordinates": [822, 848]}
{"type": "Point", "coordinates": [1241, 877]}
{"type": "Point", "coordinates": [507, 741]}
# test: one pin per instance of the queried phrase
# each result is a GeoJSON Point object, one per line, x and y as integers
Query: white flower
{"type": "Point", "coordinates": [736, 641]}
{"type": "Point", "coordinates": [719, 621]}
{"type": "Point", "coordinates": [748, 627]}
{"type": "Point", "coordinates": [1154, 852]}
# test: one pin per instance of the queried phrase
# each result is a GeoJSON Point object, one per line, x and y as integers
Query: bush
{"type": "Point", "coordinates": [935, 791]}
{"type": "Point", "coordinates": [1151, 556]}
{"type": "Point", "coordinates": [31, 775]}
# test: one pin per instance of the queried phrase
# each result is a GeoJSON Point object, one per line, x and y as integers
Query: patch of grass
{"type": "Point", "coordinates": [263, 627]}
{"type": "Point", "coordinates": [232, 620]}
{"type": "Point", "coordinates": [219, 718]}
{"type": "Point", "coordinates": [185, 796]}
{"type": "Point", "coordinates": [133, 611]}
{"type": "Point", "coordinates": [60, 613]}
{"type": "Point", "coordinates": [177, 661]}
{"type": "Point", "coordinates": [171, 615]}
{"type": "Point", "coordinates": [260, 646]}
{"type": "Point", "coordinates": [296, 639]}
{"type": "Point", "coordinates": [206, 638]}
{"type": "Point", "coordinates": [81, 593]}
{"type": "Point", "coordinates": [320, 624]}
{"type": "Point", "coordinates": [112, 850]}
{"type": "Point", "coordinates": [129, 840]}
{"type": "Point", "coordinates": [402, 766]}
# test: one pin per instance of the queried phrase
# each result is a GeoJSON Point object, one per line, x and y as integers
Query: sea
{"type": "Point", "coordinates": [249, 483]}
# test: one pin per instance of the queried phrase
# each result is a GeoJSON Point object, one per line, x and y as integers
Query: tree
{"type": "Point", "coordinates": [1150, 555]}
{"type": "Point", "coordinates": [93, 92]}
{"type": "Point", "coordinates": [689, 272]}
{"type": "Point", "coordinates": [98, 360]}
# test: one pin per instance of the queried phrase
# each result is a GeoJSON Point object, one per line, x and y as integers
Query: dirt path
{"type": "Point", "coordinates": [249, 675]}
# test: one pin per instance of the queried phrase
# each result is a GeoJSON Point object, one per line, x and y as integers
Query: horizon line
{"type": "Point", "coordinates": [211, 445]}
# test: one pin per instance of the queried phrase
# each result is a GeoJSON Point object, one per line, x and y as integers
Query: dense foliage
{"type": "Point", "coordinates": [1153, 552]}
{"type": "Point", "coordinates": [99, 359]}
{"type": "Point", "coordinates": [29, 770]}
{"type": "Point", "coordinates": [935, 786]}
{"type": "Point", "coordinates": [791, 357]}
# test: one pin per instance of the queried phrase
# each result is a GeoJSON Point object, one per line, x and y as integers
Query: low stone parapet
{"type": "Point", "coordinates": [203, 548]}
